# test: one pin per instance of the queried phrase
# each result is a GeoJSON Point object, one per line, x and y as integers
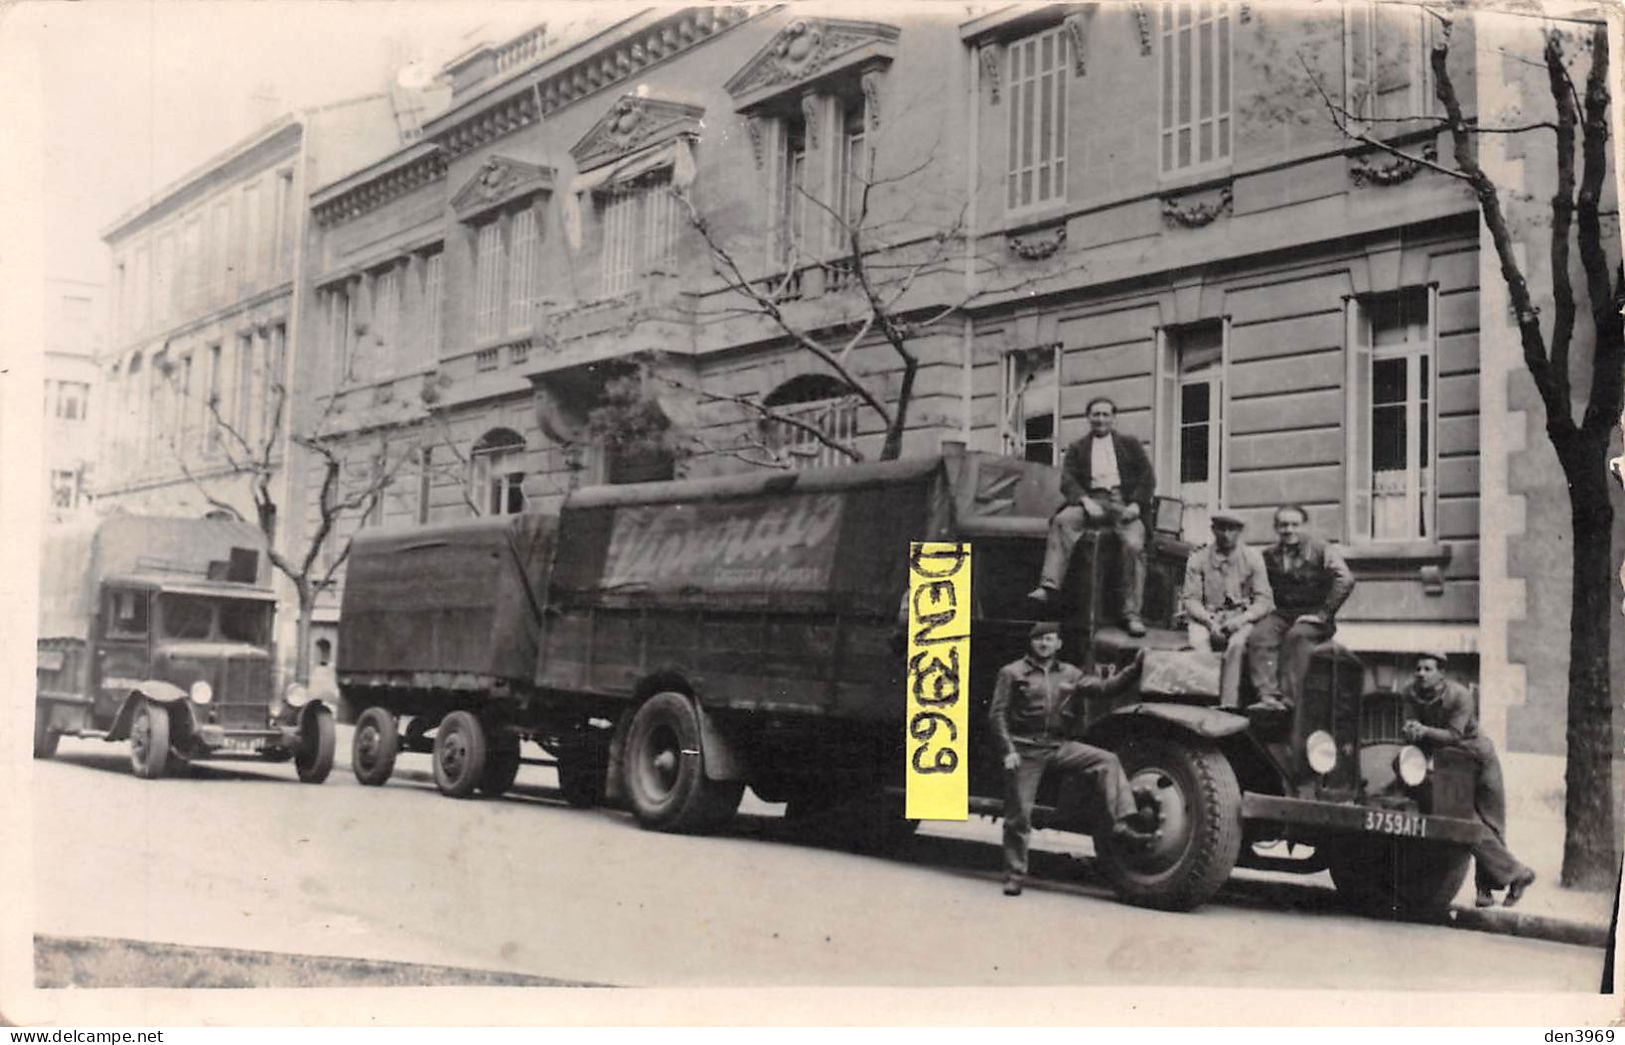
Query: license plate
{"type": "Point", "coordinates": [1387, 822]}
{"type": "Point", "coordinates": [242, 744]}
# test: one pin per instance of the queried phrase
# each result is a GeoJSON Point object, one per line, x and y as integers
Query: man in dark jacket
{"type": "Point", "coordinates": [1036, 702]}
{"type": "Point", "coordinates": [1439, 713]}
{"type": "Point", "coordinates": [1107, 480]}
{"type": "Point", "coordinates": [1309, 580]}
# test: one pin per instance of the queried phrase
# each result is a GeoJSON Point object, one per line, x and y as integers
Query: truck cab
{"type": "Point", "coordinates": [159, 632]}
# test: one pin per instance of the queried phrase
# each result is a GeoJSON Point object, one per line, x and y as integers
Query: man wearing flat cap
{"type": "Point", "coordinates": [1439, 713]}
{"type": "Point", "coordinates": [1226, 592]}
{"type": "Point", "coordinates": [1037, 701]}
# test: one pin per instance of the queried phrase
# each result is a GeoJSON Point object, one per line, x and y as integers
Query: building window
{"type": "Point", "coordinates": [820, 402]}
{"type": "Point", "coordinates": [164, 289]}
{"type": "Point", "coordinates": [243, 397]}
{"type": "Point", "coordinates": [1191, 417]}
{"type": "Point", "coordinates": [1036, 171]}
{"type": "Point", "coordinates": [386, 318]}
{"type": "Point", "coordinates": [211, 405]}
{"type": "Point", "coordinates": [281, 245]}
{"type": "Point", "coordinates": [72, 400]}
{"type": "Point", "coordinates": [271, 379]}
{"type": "Point", "coordinates": [140, 289]}
{"type": "Point", "coordinates": [490, 262]}
{"type": "Point", "coordinates": [496, 475]}
{"type": "Point", "coordinates": [790, 210]}
{"type": "Point", "coordinates": [252, 248]}
{"type": "Point", "coordinates": [1195, 83]}
{"type": "Point", "coordinates": [341, 333]}
{"type": "Point", "coordinates": [1385, 61]}
{"type": "Point", "coordinates": [1392, 415]}
{"type": "Point", "coordinates": [639, 219]}
{"type": "Point", "coordinates": [854, 173]}
{"type": "Point", "coordinates": [433, 280]}
{"type": "Point", "coordinates": [524, 265]}
{"type": "Point", "coordinates": [425, 482]}
{"type": "Point", "coordinates": [222, 269]}
{"type": "Point", "coordinates": [1032, 404]}
{"type": "Point", "coordinates": [192, 276]}
{"type": "Point", "coordinates": [64, 489]}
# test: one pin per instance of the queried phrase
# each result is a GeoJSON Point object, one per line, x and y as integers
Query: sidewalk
{"type": "Point", "coordinates": [1538, 841]}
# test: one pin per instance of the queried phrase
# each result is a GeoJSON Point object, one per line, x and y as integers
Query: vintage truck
{"type": "Point", "coordinates": [159, 631]}
{"type": "Point", "coordinates": [693, 638]}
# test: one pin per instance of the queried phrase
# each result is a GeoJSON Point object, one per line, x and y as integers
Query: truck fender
{"type": "Point", "coordinates": [721, 757]}
{"type": "Point", "coordinates": [1208, 723]}
{"type": "Point", "coordinates": [155, 690]}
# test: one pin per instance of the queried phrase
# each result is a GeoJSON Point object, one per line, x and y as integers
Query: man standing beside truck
{"type": "Point", "coordinates": [1439, 713]}
{"type": "Point", "coordinates": [1227, 591]}
{"type": "Point", "coordinates": [1036, 701]}
{"type": "Point", "coordinates": [1107, 481]}
{"type": "Point", "coordinates": [1310, 582]}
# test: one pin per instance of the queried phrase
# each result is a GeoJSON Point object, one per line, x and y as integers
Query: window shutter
{"type": "Point", "coordinates": [1357, 421]}
{"type": "Point", "coordinates": [1357, 73]}
{"type": "Point", "coordinates": [1166, 426]}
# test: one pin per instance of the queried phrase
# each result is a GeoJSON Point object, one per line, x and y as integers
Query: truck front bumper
{"type": "Point", "coordinates": [1340, 818]}
{"type": "Point", "coordinates": [222, 740]}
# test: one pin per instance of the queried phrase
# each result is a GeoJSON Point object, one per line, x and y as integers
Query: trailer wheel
{"type": "Point", "coordinates": [582, 772]}
{"type": "Point", "coordinates": [501, 764]}
{"type": "Point", "coordinates": [149, 740]}
{"type": "Point", "coordinates": [1199, 835]}
{"type": "Point", "coordinates": [459, 754]}
{"type": "Point", "coordinates": [1392, 877]}
{"type": "Point", "coordinates": [374, 746]}
{"type": "Point", "coordinates": [318, 741]}
{"type": "Point", "coordinates": [665, 778]}
{"type": "Point", "coordinates": [45, 738]}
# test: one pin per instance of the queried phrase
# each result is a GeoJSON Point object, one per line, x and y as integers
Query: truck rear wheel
{"type": "Point", "coordinates": [318, 741]}
{"type": "Point", "coordinates": [1390, 877]}
{"type": "Point", "coordinates": [149, 740]}
{"type": "Point", "coordinates": [373, 749]}
{"type": "Point", "coordinates": [665, 775]}
{"type": "Point", "coordinates": [501, 764]}
{"type": "Point", "coordinates": [1199, 826]}
{"type": "Point", "coordinates": [459, 754]}
{"type": "Point", "coordinates": [45, 738]}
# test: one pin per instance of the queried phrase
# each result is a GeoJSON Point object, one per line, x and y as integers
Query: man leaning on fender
{"type": "Point", "coordinates": [1036, 703]}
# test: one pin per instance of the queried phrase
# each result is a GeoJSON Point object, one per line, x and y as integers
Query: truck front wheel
{"type": "Point", "coordinates": [665, 776]}
{"type": "Point", "coordinates": [317, 742]}
{"type": "Point", "coordinates": [149, 740]}
{"type": "Point", "coordinates": [45, 738]}
{"type": "Point", "coordinates": [1199, 824]}
{"type": "Point", "coordinates": [1390, 877]}
{"type": "Point", "coordinates": [459, 754]}
{"type": "Point", "coordinates": [373, 749]}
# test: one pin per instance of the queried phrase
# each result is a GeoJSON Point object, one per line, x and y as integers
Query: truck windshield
{"type": "Point", "coordinates": [245, 621]}
{"type": "Point", "coordinates": [187, 616]}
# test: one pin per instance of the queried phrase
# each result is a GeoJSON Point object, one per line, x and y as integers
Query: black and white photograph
{"type": "Point", "coordinates": [604, 506]}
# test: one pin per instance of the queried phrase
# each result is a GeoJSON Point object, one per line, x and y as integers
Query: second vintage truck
{"type": "Point", "coordinates": [671, 644]}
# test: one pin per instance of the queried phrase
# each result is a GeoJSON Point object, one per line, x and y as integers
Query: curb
{"type": "Point", "coordinates": [1526, 925]}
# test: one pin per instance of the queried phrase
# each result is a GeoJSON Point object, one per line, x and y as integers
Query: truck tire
{"type": "Point", "coordinates": [318, 742]}
{"type": "Point", "coordinates": [1394, 877]}
{"type": "Point", "coordinates": [374, 746]}
{"type": "Point", "coordinates": [459, 754]}
{"type": "Point", "coordinates": [45, 738]}
{"type": "Point", "coordinates": [149, 740]}
{"type": "Point", "coordinates": [665, 775]}
{"type": "Point", "coordinates": [582, 774]}
{"type": "Point", "coordinates": [1199, 831]}
{"type": "Point", "coordinates": [501, 764]}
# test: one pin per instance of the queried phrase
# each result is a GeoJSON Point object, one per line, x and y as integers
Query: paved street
{"type": "Point", "coordinates": [240, 855]}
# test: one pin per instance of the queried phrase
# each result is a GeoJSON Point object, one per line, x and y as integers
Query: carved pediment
{"type": "Point", "coordinates": [631, 123]}
{"type": "Point", "coordinates": [498, 181]}
{"type": "Point", "coordinates": [806, 49]}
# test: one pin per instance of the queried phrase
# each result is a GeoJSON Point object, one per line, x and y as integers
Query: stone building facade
{"type": "Point", "coordinates": [1155, 205]}
{"type": "Point", "coordinates": [75, 330]}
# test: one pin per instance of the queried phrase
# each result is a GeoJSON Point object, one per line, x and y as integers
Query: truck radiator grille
{"type": "Point", "coordinates": [244, 696]}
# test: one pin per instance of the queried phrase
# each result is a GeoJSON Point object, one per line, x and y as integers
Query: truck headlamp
{"type": "Point", "coordinates": [296, 695]}
{"type": "Point", "coordinates": [1411, 765]}
{"type": "Point", "coordinates": [202, 692]}
{"type": "Point", "coordinates": [1321, 750]}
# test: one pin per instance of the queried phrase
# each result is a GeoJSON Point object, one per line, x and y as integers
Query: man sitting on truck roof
{"type": "Point", "coordinates": [1227, 591]}
{"type": "Point", "coordinates": [1439, 713]}
{"type": "Point", "coordinates": [1107, 481]}
{"type": "Point", "coordinates": [1309, 580]}
{"type": "Point", "coordinates": [1035, 702]}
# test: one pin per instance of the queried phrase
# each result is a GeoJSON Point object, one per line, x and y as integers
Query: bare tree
{"type": "Point", "coordinates": [1580, 117]}
{"type": "Point", "coordinates": [347, 492]}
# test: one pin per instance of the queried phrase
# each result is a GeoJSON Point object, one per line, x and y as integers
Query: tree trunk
{"type": "Point", "coordinates": [1590, 859]}
{"type": "Point", "coordinates": [301, 659]}
{"type": "Point", "coordinates": [893, 448]}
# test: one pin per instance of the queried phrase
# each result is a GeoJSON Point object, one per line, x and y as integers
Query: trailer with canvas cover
{"type": "Point", "coordinates": [159, 631]}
